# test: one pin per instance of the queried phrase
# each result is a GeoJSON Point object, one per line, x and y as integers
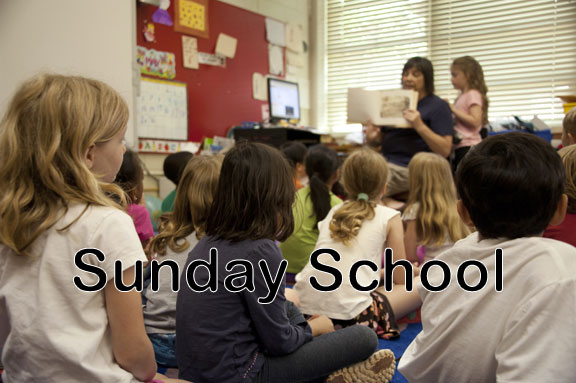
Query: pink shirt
{"type": "Point", "coordinates": [142, 221]}
{"type": "Point", "coordinates": [470, 135]}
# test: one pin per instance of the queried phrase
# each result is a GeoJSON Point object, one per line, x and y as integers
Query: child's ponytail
{"type": "Point", "coordinates": [321, 165]}
{"type": "Point", "coordinates": [364, 176]}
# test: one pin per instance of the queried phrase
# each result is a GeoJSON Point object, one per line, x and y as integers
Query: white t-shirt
{"type": "Point", "coordinates": [346, 302]}
{"type": "Point", "coordinates": [525, 333]}
{"type": "Point", "coordinates": [50, 330]}
{"type": "Point", "coordinates": [160, 309]}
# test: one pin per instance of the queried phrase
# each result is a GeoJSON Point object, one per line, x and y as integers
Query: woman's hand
{"type": "Point", "coordinates": [372, 134]}
{"type": "Point", "coordinates": [413, 117]}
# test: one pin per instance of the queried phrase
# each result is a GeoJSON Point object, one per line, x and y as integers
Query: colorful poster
{"type": "Point", "coordinates": [156, 63]}
{"type": "Point", "coordinates": [192, 17]}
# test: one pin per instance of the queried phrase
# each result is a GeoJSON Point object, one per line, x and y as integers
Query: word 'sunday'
{"type": "Point", "coordinates": [241, 275]}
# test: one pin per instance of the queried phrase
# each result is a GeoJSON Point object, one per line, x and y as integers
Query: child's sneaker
{"type": "Point", "coordinates": [379, 368]}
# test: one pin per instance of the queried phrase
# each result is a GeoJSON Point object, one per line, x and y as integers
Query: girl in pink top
{"type": "Point", "coordinates": [471, 107]}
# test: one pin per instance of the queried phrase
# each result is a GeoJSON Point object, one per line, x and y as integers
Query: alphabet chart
{"type": "Point", "coordinates": [162, 110]}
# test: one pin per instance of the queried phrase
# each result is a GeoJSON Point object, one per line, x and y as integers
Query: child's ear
{"type": "Point", "coordinates": [560, 212]}
{"type": "Point", "coordinates": [464, 214]}
{"type": "Point", "coordinates": [89, 156]}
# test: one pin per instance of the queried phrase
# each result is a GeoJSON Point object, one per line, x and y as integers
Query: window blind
{"type": "Point", "coordinates": [526, 48]}
{"type": "Point", "coordinates": [367, 43]}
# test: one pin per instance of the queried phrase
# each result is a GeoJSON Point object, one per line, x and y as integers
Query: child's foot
{"type": "Point", "coordinates": [379, 368]}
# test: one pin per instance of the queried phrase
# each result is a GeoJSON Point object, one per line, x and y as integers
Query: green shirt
{"type": "Point", "coordinates": [168, 202]}
{"type": "Point", "coordinates": [297, 248]}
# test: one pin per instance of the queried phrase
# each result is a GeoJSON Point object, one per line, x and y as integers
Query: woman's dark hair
{"type": "Point", "coordinates": [254, 196]}
{"type": "Point", "coordinates": [511, 185]}
{"type": "Point", "coordinates": [321, 164]}
{"type": "Point", "coordinates": [295, 152]}
{"type": "Point", "coordinates": [131, 176]}
{"type": "Point", "coordinates": [424, 66]}
{"type": "Point", "coordinates": [174, 164]}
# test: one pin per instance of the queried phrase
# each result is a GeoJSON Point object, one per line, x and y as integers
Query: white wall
{"type": "Point", "coordinates": [81, 37]}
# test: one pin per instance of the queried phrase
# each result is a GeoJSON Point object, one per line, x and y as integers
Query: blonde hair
{"type": "Point", "coordinates": [569, 122]}
{"type": "Point", "coordinates": [475, 77]}
{"type": "Point", "coordinates": [364, 171]}
{"type": "Point", "coordinates": [194, 197]}
{"type": "Point", "coordinates": [432, 187]}
{"type": "Point", "coordinates": [568, 155]}
{"type": "Point", "coordinates": [45, 134]}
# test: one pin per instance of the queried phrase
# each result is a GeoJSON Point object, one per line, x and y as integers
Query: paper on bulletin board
{"type": "Point", "coordinates": [226, 45]}
{"type": "Point", "coordinates": [162, 110]}
{"type": "Point", "coordinates": [294, 59]}
{"type": "Point", "coordinates": [259, 87]}
{"type": "Point", "coordinates": [294, 37]}
{"type": "Point", "coordinates": [276, 60]}
{"type": "Point", "coordinates": [275, 32]}
{"type": "Point", "coordinates": [211, 59]}
{"type": "Point", "coordinates": [190, 52]}
{"type": "Point", "coordinates": [156, 63]}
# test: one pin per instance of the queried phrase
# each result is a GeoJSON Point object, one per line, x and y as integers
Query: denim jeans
{"type": "Point", "coordinates": [164, 349]}
{"type": "Point", "coordinates": [317, 359]}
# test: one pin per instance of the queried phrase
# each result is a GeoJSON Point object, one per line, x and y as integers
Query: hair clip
{"type": "Point", "coordinates": [363, 196]}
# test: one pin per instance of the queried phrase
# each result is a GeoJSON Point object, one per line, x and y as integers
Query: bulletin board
{"type": "Point", "coordinates": [162, 110]}
{"type": "Point", "coordinates": [218, 98]}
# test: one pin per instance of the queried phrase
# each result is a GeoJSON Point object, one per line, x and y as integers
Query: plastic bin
{"type": "Point", "coordinates": [545, 134]}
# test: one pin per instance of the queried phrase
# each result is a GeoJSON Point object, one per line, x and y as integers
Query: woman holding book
{"type": "Point", "coordinates": [431, 126]}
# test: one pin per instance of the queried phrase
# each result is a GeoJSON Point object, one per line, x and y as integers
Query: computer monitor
{"type": "Point", "coordinates": [283, 99]}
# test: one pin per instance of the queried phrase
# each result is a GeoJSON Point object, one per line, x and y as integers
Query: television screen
{"type": "Point", "coordinates": [283, 99]}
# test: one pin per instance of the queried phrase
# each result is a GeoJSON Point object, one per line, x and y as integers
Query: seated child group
{"type": "Point", "coordinates": [285, 264]}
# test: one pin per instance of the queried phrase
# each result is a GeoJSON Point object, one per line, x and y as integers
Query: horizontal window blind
{"type": "Point", "coordinates": [527, 50]}
{"type": "Point", "coordinates": [367, 43]}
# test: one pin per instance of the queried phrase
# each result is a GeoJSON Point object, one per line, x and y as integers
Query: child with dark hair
{"type": "Point", "coordinates": [511, 187]}
{"type": "Point", "coordinates": [131, 179]}
{"type": "Point", "coordinates": [295, 152]}
{"type": "Point", "coordinates": [230, 337]}
{"type": "Point", "coordinates": [174, 165]}
{"type": "Point", "coordinates": [311, 206]}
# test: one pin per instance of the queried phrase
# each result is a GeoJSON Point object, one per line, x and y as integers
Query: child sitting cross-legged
{"type": "Point", "coordinates": [511, 187]}
{"type": "Point", "coordinates": [180, 231]}
{"type": "Point", "coordinates": [359, 229]}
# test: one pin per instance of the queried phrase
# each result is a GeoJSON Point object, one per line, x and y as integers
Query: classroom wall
{"type": "Point", "coordinates": [81, 37]}
{"type": "Point", "coordinates": [294, 11]}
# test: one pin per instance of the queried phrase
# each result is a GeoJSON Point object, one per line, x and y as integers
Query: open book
{"type": "Point", "coordinates": [382, 107]}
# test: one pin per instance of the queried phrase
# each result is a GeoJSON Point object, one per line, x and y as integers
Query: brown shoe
{"type": "Point", "coordinates": [378, 368]}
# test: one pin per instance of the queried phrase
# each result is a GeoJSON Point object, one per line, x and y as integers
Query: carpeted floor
{"type": "Point", "coordinates": [399, 345]}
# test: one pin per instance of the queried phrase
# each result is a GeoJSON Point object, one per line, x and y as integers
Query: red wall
{"type": "Point", "coordinates": [218, 98]}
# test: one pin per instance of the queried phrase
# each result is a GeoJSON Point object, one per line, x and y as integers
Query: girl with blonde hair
{"type": "Point", "coordinates": [431, 220]}
{"type": "Point", "coordinates": [180, 231]}
{"type": "Point", "coordinates": [359, 229]}
{"type": "Point", "coordinates": [61, 146]}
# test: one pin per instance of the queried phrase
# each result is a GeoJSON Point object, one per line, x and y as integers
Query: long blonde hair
{"type": "Point", "coordinates": [432, 188]}
{"type": "Point", "coordinates": [194, 197]}
{"type": "Point", "coordinates": [45, 134]}
{"type": "Point", "coordinates": [364, 171]}
{"type": "Point", "coordinates": [475, 76]}
{"type": "Point", "coordinates": [568, 155]}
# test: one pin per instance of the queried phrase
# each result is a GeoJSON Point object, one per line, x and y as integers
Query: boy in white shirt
{"type": "Point", "coordinates": [511, 187]}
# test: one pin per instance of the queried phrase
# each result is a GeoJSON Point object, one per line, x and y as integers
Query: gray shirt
{"type": "Point", "coordinates": [160, 308]}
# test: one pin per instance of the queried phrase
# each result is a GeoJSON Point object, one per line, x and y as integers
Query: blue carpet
{"type": "Point", "coordinates": [399, 345]}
